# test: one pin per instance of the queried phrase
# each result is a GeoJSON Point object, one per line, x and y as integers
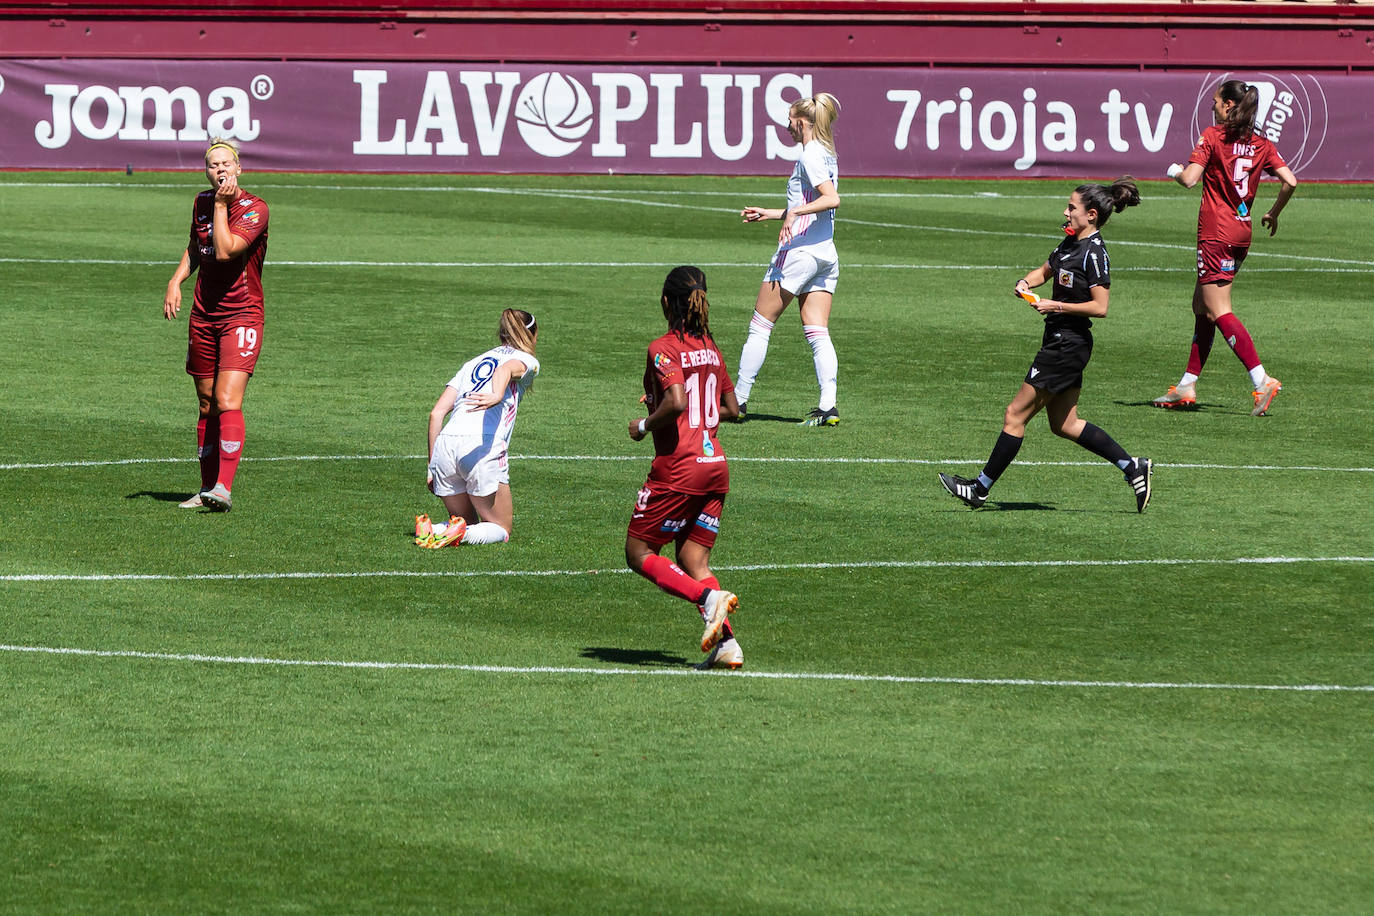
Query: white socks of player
{"type": "Point", "coordinates": [478, 533]}
{"type": "Point", "coordinates": [752, 357]}
{"type": "Point", "coordinates": [827, 363]}
{"type": "Point", "coordinates": [486, 533]}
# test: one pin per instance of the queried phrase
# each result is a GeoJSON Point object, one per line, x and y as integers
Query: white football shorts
{"type": "Point", "coordinates": [468, 464]}
{"type": "Point", "coordinates": [798, 271]}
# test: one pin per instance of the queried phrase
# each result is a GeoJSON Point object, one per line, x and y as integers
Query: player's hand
{"type": "Point", "coordinates": [429, 480]}
{"type": "Point", "coordinates": [785, 234]}
{"type": "Point", "coordinates": [171, 303]}
{"type": "Point", "coordinates": [753, 214]}
{"type": "Point", "coordinates": [228, 190]}
{"type": "Point", "coordinates": [635, 433]}
{"type": "Point", "coordinates": [1046, 306]}
{"type": "Point", "coordinates": [482, 400]}
{"type": "Point", "coordinates": [1271, 222]}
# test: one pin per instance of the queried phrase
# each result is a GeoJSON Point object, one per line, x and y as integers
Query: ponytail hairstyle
{"type": "Point", "coordinates": [821, 110]}
{"type": "Point", "coordinates": [518, 329]}
{"type": "Point", "coordinates": [1240, 120]}
{"type": "Point", "coordinates": [684, 302]}
{"type": "Point", "coordinates": [1110, 199]}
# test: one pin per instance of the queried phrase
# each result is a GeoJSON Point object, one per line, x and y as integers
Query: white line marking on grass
{"type": "Point", "coordinates": [746, 567]}
{"type": "Point", "coordinates": [673, 672]}
{"type": "Point", "coordinates": [749, 265]}
{"type": "Point", "coordinates": [932, 462]}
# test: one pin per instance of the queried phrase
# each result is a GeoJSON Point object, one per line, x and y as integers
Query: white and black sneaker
{"type": "Point", "coordinates": [1138, 476]}
{"type": "Point", "coordinates": [970, 491]}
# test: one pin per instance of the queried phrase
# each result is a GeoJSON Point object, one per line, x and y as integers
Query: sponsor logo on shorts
{"type": "Point", "coordinates": [673, 524]}
{"type": "Point", "coordinates": [709, 522]}
{"type": "Point", "coordinates": [1228, 264]}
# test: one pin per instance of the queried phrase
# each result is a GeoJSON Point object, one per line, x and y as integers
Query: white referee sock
{"type": "Point", "coordinates": [827, 363]}
{"type": "Point", "coordinates": [486, 533]}
{"type": "Point", "coordinates": [752, 357]}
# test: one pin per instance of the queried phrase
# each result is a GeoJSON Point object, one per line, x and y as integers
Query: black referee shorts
{"type": "Point", "coordinates": [1063, 356]}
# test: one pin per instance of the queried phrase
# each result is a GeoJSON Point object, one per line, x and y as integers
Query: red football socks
{"type": "Point", "coordinates": [1235, 334]}
{"type": "Point", "coordinates": [230, 446]}
{"type": "Point", "coordinates": [668, 576]}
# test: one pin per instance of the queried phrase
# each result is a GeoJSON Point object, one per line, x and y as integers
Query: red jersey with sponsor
{"type": "Point", "coordinates": [229, 289]}
{"type": "Point", "coordinates": [688, 457]}
{"type": "Point", "coordinates": [1230, 177]}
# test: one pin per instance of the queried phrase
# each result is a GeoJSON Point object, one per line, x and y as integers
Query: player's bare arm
{"type": "Point", "coordinates": [227, 245]}
{"type": "Point", "coordinates": [1270, 220]}
{"type": "Point", "coordinates": [171, 302]}
{"type": "Point", "coordinates": [674, 402]}
{"type": "Point", "coordinates": [481, 400]}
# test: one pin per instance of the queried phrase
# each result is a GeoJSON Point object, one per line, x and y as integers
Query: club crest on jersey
{"type": "Point", "coordinates": [1066, 279]}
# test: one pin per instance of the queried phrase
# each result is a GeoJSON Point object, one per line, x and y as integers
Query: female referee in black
{"type": "Point", "coordinates": [1081, 272]}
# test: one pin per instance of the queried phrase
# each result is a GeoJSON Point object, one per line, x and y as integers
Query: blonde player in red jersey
{"type": "Point", "coordinates": [688, 391]}
{"type": "Point", "coordinates": [1228, 159]}
{"type": "Point", "coordinates": [228, 245]}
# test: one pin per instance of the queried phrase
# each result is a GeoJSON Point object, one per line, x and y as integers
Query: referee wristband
{"type": "Point", "coordinates": [641, 426]}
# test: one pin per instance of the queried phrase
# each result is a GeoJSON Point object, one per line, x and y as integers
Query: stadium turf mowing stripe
{"type": "Point", "coordinates": [740, 567]}
{"type": "Point", "coordinates": [678, 672]}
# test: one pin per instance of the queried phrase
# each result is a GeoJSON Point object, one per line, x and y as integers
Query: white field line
{"type": "Point", "coordinates": [734, 459]}
{"type": "Point", "coordinates": [676, 672]}
{"type": "Point", "coordinates": [749, 265]}
{"type": "Point", "coordinates": [747, 567]}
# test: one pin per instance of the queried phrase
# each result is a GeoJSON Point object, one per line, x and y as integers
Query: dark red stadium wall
{"type": "Point", "coordinates": [1145, 35]}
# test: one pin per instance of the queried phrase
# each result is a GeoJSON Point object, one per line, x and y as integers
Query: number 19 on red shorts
{"type": "Point", "coordinates": [219, 346]}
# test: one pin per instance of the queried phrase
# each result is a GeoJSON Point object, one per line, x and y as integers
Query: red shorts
{"type": "Point", "coordinates": [219, 345]}
{"type": "Point", "coordinates": [662, 515]}
{"type": "Point", "coordinates": [1218, 262]}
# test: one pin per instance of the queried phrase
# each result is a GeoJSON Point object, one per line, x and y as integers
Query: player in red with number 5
{"type": "Point", "coordinates": [228, 245]}
{"type": "Point", "coordinates": [688, 391]}
{"type": "Point", "coordinates": [1228, 159]}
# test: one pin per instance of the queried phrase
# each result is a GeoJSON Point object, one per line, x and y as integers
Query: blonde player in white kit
{"type": "Point", "coordinates": [467, 454]}
{"type": "Point", "coordinates": [806, 266]}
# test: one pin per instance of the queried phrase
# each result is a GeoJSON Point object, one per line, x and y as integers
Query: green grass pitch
{"type": "Point", "coordinates": [1050, 705]}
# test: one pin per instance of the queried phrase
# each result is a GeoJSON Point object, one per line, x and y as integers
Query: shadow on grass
{"type": "Point", "coordinates": [159, 495]}
{"type": "Point", "coordinates": [769, 418]}
{"type": "Point", "coordinates": [1019, 507]}
{"type": "Point", "coordinates": [647, 658]}
{"type": "Point", "coordinates": [1193, 409]}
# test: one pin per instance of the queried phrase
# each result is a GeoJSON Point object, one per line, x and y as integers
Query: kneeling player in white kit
{"type": "Point", "coordinates": [467, 454]}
